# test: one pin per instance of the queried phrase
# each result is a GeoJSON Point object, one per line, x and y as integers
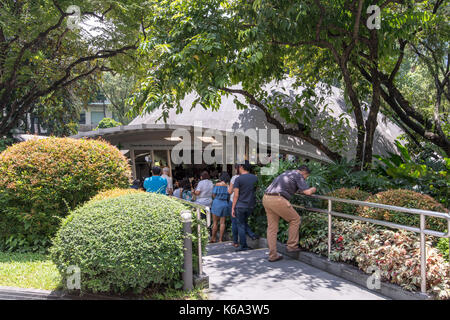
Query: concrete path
{"type": "Point", "coordinates": [248, 275]}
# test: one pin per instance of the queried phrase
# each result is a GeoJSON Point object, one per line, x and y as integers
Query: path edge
{"type": "Point", "coordinates": [342, 270]}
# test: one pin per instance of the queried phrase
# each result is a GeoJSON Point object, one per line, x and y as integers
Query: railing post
{"type": "Point", "coordinates": [329, 229]}
{"type": "Point", "coordinates": [208, 217]}
{"type": "Point", "coordinates": [423, 256]}
{"type": "Point", "coordinates": [199, 236]}
{"type": "Point", "coordinates": [188, 283]}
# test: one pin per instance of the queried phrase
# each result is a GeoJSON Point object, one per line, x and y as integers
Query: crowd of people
{"type": "Point", "coordinates": [234, 197]}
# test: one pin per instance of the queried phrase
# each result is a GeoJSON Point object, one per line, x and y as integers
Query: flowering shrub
{"type": "Point", "coordinates": [124, 243]}
{"type": "Point", "coordinates": [345, 237]}
{"type": "Point", "coordinates": [41, 180]}
{"type": "Point", "coordinates": [408, 199]}
{"type": "Point", "coordinates": [397, 255]}
{"type": "Point", "coordinates": [114, 193]}
{"type": "Point", "coordinates": [348, 193]}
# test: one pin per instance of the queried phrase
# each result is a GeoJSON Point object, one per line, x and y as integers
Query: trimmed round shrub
{"type": "Point", "coordinates": [114, 193]}
{"type": "Point", "coordinates": [348, 193]}
{"type": "Point", "coordinates": [108, 123]}
{"type": "Point", "coordinates": [407, 199]}
{"type": "Point", "coordinates": [123, 243]}
{"type": "Point", "coordinates": [42, 179]}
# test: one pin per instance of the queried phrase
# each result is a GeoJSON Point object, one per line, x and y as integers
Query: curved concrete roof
{"type": "Point", "coordinates": [229, 118]}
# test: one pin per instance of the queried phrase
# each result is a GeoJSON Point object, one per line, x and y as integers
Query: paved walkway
{"type": "Point", "coordinates": [248, 275]}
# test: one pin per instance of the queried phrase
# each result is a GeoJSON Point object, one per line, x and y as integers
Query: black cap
{"type": "Point", "coordinates": [304, 168]}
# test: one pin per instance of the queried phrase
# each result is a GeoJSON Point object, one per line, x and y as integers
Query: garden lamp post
{"type": "Point", "coordinates": [187, 248]}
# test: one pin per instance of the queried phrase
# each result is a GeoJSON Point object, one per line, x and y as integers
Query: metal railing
{"type": "Point", "coordinates": [422, 230]}
{"type": "Point", "coordinates": [198, 209]}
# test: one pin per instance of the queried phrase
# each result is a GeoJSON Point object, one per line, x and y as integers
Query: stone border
{"type": "Point", "coordinates": [343, 270]}
{"type": "Point", "coordinates": [14, 293]}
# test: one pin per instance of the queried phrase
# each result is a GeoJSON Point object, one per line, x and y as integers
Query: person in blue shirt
{"type": "Point", "coordinates": [155, 183]}
{"type": "Point", "coordinates": [219, 207]}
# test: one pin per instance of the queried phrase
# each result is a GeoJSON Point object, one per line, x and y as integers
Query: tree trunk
{"type": "Point", "coordinates": [357, 112]}
{"type": "Point", "coordinates": [371, 122]}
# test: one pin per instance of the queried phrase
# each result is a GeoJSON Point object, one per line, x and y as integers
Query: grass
{"type": "Point", "coordinates": [28, 270]}
{"type": "Point", "coordinates": [197, 293]}
{"type": "Point", "coordinates": [36, 271]}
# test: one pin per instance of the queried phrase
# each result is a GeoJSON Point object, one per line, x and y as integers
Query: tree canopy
{"type": "Point", "coordinates": [211, 46]}
{"type": "Point", "coordinates": [43, 50]}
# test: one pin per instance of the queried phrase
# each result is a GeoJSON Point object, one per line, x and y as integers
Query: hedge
{"type": "Point", "coordinates": [351, 194]}
{"type": "Point", "coordinates": [114, 193]}
{"type": "Point", "coordinates": [42, 179]}
{"type": "Point", "coordinates": [407, 199]}
{"type": "Point", "coordinates": [108, 123]}
{"type": "Point", "coordinates": [124, 243]}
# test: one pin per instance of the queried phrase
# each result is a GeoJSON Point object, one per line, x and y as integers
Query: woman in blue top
{"type": "Point", "coordinates": [186, 189]}
{"type": "Point", "coordinates": [219, 207]}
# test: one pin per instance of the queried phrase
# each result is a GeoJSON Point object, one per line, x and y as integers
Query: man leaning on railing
{"type": "Point", "coordinates": [277, 205]}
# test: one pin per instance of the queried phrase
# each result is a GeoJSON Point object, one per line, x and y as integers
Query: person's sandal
{"type": "Point", "coordinates": [276, 259]}
{"type": "Point", "coordinates": [235, 245]}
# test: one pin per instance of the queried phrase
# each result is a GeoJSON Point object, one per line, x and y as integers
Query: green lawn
{"type": "Point", "coordinates": [34, 270]}
{"type": "Point", "coordinates": [28, 270]}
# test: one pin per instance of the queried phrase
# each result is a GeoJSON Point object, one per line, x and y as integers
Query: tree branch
{"type": "Point", "coordinates": [294, 132]}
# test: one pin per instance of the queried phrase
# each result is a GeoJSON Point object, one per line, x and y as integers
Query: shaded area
{"type": "Point", "coordinates": [248, 275]}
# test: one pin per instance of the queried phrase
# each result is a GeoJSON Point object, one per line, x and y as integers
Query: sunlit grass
{"type": "Point", "coordinates": [37, 271]}
{"type": "Point", "coordinates": [172, 294]}
{"type": "Point", "coordinates": [28, 270]}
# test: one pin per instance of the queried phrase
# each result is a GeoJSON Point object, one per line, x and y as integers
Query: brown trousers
{"type": "Point", "coordinates": [276, 207]}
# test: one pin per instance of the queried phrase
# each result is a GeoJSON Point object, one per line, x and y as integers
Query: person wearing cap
{"type": "Point", "coordinates": [243, 202]}
{"type": "Point", "coordinates": [276, 203]}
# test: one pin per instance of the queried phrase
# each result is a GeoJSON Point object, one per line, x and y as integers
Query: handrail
{"type": "Point", "coordinates": [385, 206]}
{"type": "Point", "coordinates": [198, 207]}
{"type": "Point", "coordinates": [422, 230]}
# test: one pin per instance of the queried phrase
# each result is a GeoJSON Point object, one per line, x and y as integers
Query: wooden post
{"type": "Point", "coordinates": [133, 163]}
{"type": "Point", "coordinates": [247, 154]}
{"type": "Point", "coordinates": [234, 156]}
{"type": "Point", "coordinates": [153, 159]}
{"type": "Point", "coordinates": [169, 162]}
{"type": "Point", "coordinates": [224, 159]}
